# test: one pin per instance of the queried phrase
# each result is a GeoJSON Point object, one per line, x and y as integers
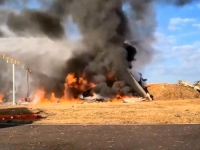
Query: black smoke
{"type": "Point", "coordinates": [35, 22]}
{"type": "Point", "coordinates": [104, 27]}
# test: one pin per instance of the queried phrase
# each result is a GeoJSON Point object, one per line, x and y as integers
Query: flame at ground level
{"type": "Point", "coordinates": [74, 86]}
{"type": "Point", "coordinates": [39, 98]}
{"type": "Point", "coordinates": [1, 97]}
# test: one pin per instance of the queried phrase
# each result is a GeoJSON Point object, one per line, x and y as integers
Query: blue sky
{"type": "Point", "coordinates": [177, 44]}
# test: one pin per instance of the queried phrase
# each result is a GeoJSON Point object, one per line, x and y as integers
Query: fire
{"type": "Point", "coordinates": [110, 76]}
{"type": "Point", "coordinates": [76, 85]}
{"type": "Point", "coordinates": [53, 98]}
{"type": "Point", "coordinates": [1, 97]}
{"type": "Point", "coordinates": [118, 96]}
{"type": "Point", "coordinates": [73, 85]}
{"type": "Point", "coordinates": [70, 79]}
{"type": "Point", "coordinates": [39, 96]}
{"type": "Point", "coordinates": [80, 83]}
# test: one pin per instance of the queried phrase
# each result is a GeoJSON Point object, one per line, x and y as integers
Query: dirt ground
{"type": "Point", "coordinates": [172, 104]}
{"type": "Point", "coordinates": [172, 91]}
{"type": "Point", "coordinates": [161, 112]}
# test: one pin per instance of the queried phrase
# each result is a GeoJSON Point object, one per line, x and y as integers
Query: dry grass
{"type": "Point", "coordinates": [173, 111]}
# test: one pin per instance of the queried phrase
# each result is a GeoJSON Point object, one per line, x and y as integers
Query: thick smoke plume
{"type": "Point", "coordinates": [43, 56]}
{"type": "Point", "coordinates": [103, 26]}
{"type": "Point", "coordinates": [36, 22]}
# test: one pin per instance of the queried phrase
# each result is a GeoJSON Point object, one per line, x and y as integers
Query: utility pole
{"type": "Point", "coordinates": [27, 84]}
{"type": "Point", "coordinates": [13, 62]}
{"type": "Point", "coordinates": [27, 79]}
{"type": "Point", "coordinates": [14, 102]}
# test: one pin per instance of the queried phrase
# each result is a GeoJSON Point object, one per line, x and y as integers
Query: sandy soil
{"type": "Point", "coordinates": [173, 104]}
{"type": "Point", "coordinates": [172, 91]}
{"type": "Point", "coordinates": [172, 111]}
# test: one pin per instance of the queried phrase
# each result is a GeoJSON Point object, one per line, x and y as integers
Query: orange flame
{"type": "Point", "coordinates": [1, 97]}
{"type": "Point", "coordinates": [71, 82]}
{"type": "Point", "coordinates": [77, 85]}
{"type": "Point", "coordinates": [110, 76]}
{"type": "Point", "coordinates": [118, 96]}
{"type": "Point", "coordinates": [39, 96]}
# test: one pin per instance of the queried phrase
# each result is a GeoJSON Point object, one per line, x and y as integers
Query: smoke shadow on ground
{"type": "Point", "coordinates": [10, 111]}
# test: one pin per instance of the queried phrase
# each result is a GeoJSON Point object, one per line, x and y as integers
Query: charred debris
{"type": "Point", "coordinates": [138, 90]}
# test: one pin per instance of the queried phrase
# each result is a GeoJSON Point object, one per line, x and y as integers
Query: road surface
{"type": "Point", "coordinates": [100, 137]}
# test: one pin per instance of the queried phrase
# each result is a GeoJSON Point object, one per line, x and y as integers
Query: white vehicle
{"type": "Point", "coordinates": [197, 83]}
{"type": "Point", "coordinates": [185, 83]}
{"type": "Point", "coordinates": [195, 86]}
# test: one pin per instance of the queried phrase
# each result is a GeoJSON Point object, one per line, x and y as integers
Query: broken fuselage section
{"type": "Point", "coordinates": [133, 78]}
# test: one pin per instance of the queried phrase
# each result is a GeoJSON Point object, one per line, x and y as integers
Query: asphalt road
{"type": "Point", "coordinates": [97, 137]}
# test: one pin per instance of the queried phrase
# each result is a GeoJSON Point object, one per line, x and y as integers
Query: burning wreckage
{"type": "Point", "coordinates": [109, 26]}
{"type": "Point", "coordinates": [137, 84]}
